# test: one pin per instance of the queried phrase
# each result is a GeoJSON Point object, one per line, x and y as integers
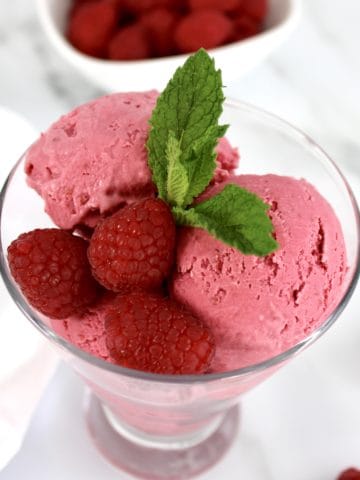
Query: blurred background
{"type": "Point", "coordinates": [311, 80]}
{"type": "Point", "coordinates": [309, 412]}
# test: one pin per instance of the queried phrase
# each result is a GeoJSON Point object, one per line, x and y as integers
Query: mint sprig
{"type": "Point", "coordinates": [187, 111]}
{"type": "Point", "coordinates": [235, 216]}
{"type": "Point", "coordinates": [181, 149]}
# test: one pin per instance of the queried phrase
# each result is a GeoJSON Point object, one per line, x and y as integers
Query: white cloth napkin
{"type": "Point", "coordinates": [26, 360]}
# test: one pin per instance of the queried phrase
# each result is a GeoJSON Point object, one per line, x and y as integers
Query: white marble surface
{"type": "Point", "coordinates": [305, 422]}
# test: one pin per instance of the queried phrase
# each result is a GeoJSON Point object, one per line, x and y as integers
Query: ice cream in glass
{"type": "Point", "coordinates": [231, 318]}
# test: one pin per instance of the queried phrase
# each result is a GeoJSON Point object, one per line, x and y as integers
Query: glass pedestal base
{"type": "Point", "coordinates": [120, 446]}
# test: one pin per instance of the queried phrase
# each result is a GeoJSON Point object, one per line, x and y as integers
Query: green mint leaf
{"type": "Point", "coordinates": [200, 161]}
{"type": "Point", "coordinates": [177, 179]}
{"type": "Point", "coordinates": [235, 216]}
{"type": "Point", "coordinates": [189, 107]}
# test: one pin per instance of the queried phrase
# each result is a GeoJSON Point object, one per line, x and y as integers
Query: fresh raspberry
{"type": "Point", "coordinates": [256, 9]}
{"type": "Point", "coordinates": [350, 474]}
{"type": "Point", "coordinates": [53, 272]}
{"type": "Point", "coordinates": [134, 248]}
{"type": "Point", "coordinates": [129, 43]}
{"type": "Point", "coordinates": [159, 24]}
{"type": "Point", "coordinates": [91, 26]}
{"type": "Point", "coordinates": [224, 5]}
{"type": "Point", "coordinates": [245, 27]}
{"type": "Point", "coordinates": [158, 335]}
{"type": "Point", "coordinates": [202, 28]}
{"type": "Point", "coordinates": [139, 6]}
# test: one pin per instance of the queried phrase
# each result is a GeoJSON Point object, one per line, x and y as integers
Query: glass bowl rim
{"type": "Point", "coordinates": [256, 368]}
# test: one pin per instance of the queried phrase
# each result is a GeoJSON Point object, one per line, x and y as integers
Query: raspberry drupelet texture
{"type": "Point", "coordinates": [52, 270]}
{"type": "Point", "coordinates": [157, 335]}
{"type": "Point", "coordinates": [134, 248]}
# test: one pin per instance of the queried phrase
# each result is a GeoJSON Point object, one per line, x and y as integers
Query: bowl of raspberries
{"type": "Point", "coordinates": [131, 44]}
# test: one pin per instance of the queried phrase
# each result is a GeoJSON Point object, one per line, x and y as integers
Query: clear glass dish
{"type": "Point", "coordinates": [173, 427]}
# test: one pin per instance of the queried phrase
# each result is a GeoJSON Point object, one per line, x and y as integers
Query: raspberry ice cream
{"type": "Point", "coordinates": [257, 295]}
{"type": "Point", "coordinates": [87, 331]}
{"type": "Point", "coordinates": [258, 307]}
{"type": "Point", "coordinates": [94, 160]}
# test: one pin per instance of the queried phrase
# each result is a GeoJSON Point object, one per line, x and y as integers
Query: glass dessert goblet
{"type": "Point", "coordinates": [170, 426]}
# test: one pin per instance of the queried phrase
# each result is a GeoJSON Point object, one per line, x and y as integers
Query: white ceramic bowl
{"type": "Point", "coordinates": [234, 59]}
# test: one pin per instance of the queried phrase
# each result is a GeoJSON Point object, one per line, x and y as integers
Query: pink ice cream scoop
{"type": "Point", "coordinates": [259, 307]}
{"type": "Point", "coordinates": [94, 160]}
{"type": "Point", "coordinates": [87, 332]}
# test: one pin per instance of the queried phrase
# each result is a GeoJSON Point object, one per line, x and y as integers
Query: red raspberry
{"type": "Point", "coordinates": [140, 6]}
{"type": "Point", "coordinates": [134, 248]}
{"type": "Point", "coordinates": [224, 5]}
{"type": "Point", "coordinates": [245, 27]}
{"type": "Point", "coordinates": [150, 333]}
{"type": "Point", "coordinates": [202, 28]}
{"type": "Point", "coordinates": [159, 24]}
{"type": "Point", "coordinates": [350, 474]}
{"type": "Point", "coordinates": [129, 43]}
{"type": "Point", "coordinates": [256, 9]}
{"type": "Point", "coordinates": [91, 26]}
{"type": "Point", "coordinates": [53, 272]}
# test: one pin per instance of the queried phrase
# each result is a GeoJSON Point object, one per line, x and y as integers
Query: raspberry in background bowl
{"type": "Point", "coordinates": [235, 58]}
{"type": "Point", "coordinates": [120, 30]}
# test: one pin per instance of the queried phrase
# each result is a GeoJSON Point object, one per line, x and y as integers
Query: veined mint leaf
{"type": "Point", "coordinates": [189, 107]}
{"type": "Point", "coordinates": [177, 178]}
{"type": "Point", "coordinates": [200, 161]}
{"type": "Point", "coordinates": [235, 216]}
